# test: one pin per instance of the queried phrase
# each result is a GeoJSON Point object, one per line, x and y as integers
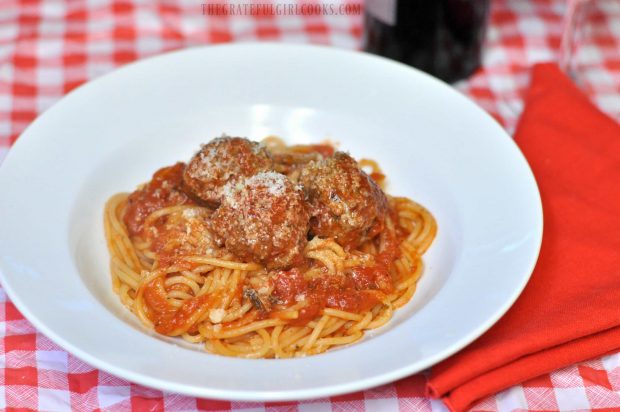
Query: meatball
{"type": "Point", "coordinates": [263, 219]}
{"type": "Point", "coordinates": [164, 190]}
{"type": "Point", "coordinates": [221, 160]}
{"type": "Point", "coordinates": [345, 203]}
{"type": "Point", "coordinates": [183, 233]}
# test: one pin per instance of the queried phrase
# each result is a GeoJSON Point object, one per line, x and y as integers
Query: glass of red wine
{"type": "Point", "coordinates": [441, 37]}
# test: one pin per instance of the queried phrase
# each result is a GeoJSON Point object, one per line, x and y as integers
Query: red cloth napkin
{"type": "Point", "coordinates": [570, 310]}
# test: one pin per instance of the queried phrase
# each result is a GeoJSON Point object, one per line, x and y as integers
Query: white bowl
{"type": "Point", "coordinates": [436, 147]}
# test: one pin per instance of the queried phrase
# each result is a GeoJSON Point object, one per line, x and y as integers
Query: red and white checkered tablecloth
{"type": "Point", "coordinates": [49, 47]}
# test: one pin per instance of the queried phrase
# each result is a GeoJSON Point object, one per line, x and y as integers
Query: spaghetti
{"type": "Point", "coordinates": [177, 280]}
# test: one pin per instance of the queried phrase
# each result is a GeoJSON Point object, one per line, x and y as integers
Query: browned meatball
{"type": "Point", "coordinates": [263, 219]}
{"type": "Point", "coordinates": [221, 160]}
{"type": "Point", "coordinates": [345, 203]}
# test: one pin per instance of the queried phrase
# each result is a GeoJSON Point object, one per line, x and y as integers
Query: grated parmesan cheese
{"type": "Point", "coordinates": [190, 213]}
{"type": "Point", "coordinates": [216, 315]}
{"type": "Point", "coordinates": [274, 182]}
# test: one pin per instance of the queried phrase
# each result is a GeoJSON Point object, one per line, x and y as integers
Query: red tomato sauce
{"type": "Point", "coordinates": [325, 150]}
{"type": "Point", "coordinates": [359, 290]}
{"type": "Point", "coordinates": [164, 190]}
{"type": "Point", "coordinates": [379, 178]}
{"type": "Point", "coordinates": [167, 318]}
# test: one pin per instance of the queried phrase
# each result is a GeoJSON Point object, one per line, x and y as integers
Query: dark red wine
{"type": "Point", "coordinates": [441, 37]}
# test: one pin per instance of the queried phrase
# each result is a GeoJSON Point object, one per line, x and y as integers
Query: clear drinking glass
{"type": "Point", "coordinates": [590, 50]}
